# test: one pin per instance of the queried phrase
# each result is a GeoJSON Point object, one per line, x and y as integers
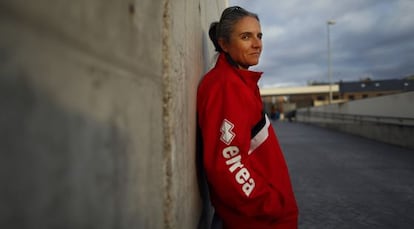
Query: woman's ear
{"type": "Point", "coordinates": [222, 44]}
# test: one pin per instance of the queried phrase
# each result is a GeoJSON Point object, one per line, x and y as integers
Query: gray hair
{"type": "Point", "coordinates": [224, 27]}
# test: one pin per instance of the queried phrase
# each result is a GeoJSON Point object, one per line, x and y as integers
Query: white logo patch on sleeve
{"type": "Point", "coordinates": [227, 134]}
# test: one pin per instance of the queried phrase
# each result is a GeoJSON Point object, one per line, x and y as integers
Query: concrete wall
{"type": "Point", "coordinates": [387, 118]}
{"type": "Point", "coordinates": [97, 121]}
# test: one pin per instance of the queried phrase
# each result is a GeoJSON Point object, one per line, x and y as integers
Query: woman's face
{"type": "Point", "coordinates": [245, 43]}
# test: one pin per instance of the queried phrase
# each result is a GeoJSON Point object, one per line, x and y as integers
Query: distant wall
{"type": "Point", "coordinates": [387, 118]}
{"type": "Point", "coordinates": [97, 121]}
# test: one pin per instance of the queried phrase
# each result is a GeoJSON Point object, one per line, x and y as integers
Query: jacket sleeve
{"type": "Point", "coordinates": [234, 177]}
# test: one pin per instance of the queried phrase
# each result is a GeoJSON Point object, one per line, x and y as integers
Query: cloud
{"type": "Point", "coordinates": [370, 38]}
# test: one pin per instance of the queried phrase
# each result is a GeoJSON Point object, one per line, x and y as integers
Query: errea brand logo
{"type": "Point", "coordinates": [227, 134]}
{"type": "Point", "coordinates": [241, 173]}
{"type": "Point", "coordinates": [233, 159]}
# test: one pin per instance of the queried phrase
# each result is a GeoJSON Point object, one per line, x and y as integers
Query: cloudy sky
{"type": "Point", "coordinates": [371, 38]}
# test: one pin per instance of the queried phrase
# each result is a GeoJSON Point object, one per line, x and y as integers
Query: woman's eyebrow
{"type": "Point", "coordinates": [245, 33]}
{"type": "Point", "coordinates": [250, 33]}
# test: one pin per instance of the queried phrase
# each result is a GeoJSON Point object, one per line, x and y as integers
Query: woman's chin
{"type": "Point", "coordinates": [253, 63]}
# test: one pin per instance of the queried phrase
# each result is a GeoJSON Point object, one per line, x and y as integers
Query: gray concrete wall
{"type": "Point", "coordinates": [97, 121]}
{"type": "Point", "coordinates": [387, 118]}
{"type": "Point", "coordinates": [397, 105]}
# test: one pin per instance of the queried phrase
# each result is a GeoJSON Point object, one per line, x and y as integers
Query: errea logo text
{"type": "Point", "coordinates": [242, 175]}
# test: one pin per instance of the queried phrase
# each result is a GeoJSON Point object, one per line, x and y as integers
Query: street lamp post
{"type": "Point", "coordinates": [328, 23]}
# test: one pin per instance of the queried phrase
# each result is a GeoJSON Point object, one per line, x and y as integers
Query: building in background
{"type": "Point", "coordinates": [281, 102]}
{"type": "Point", "coordinates": [373, 88]}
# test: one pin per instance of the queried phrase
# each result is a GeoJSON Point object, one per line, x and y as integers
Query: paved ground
{"type": "Point", "coordinates": [344, 181]}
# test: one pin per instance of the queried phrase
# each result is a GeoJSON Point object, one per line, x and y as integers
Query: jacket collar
{"type": "Point", "coordinates": [251, 78]}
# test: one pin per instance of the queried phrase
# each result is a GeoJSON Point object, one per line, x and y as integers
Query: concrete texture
{"type": "Point", "coordinates": [387, 118]}
{"type": "Point", "coordinates": [97, 122]}
{"type": "Point", "coordinates": [344, 181]}
{"type": "Point", "coordinates": [396, 105]}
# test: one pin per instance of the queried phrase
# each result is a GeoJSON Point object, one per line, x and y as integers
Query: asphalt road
{"type": "Point", "coordinates": [345, 181]}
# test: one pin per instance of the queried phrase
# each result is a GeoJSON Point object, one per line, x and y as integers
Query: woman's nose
{"type": "Point", "coordinates": [257, 43]}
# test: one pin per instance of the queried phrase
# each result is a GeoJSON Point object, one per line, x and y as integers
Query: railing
{"type": "Point", "coordinates": [356, 118]}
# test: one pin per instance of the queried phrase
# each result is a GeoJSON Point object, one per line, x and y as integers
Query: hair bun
{"type": "Point", "coordinates": [212, 33]}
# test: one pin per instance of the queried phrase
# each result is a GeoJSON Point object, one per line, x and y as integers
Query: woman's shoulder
{"type": "Point", "coordinates": [217, 77]}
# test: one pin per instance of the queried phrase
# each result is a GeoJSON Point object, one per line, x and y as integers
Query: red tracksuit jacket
{"type": "Point", "coordinates": [247, 175]}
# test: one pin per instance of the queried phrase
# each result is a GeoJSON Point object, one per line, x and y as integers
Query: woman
{"type": "Point", "coordinates": [246, 172]}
